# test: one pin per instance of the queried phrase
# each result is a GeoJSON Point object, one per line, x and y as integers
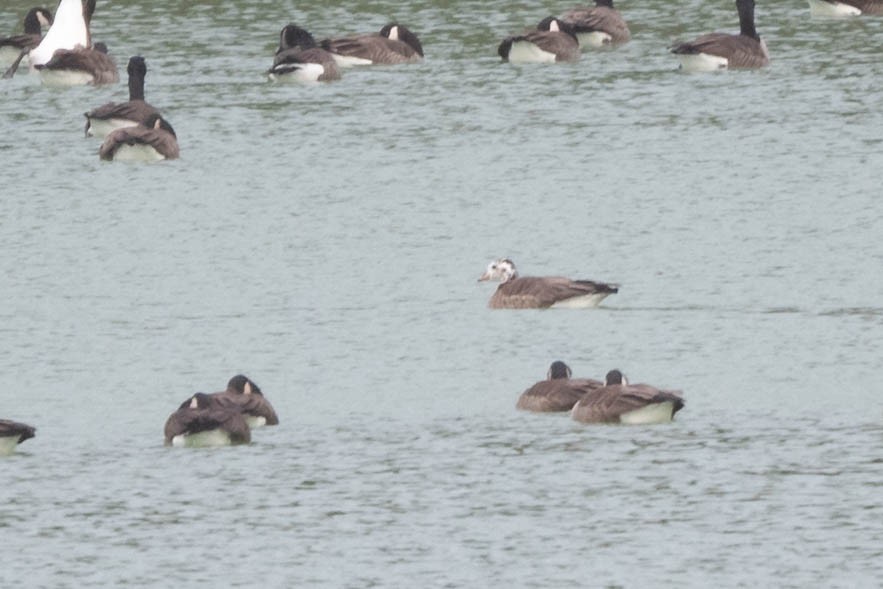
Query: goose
{"type": "Point", "coordinates": [533, 292]}
{"type": "Point", "coordinates": [845, 7]}
{"type": "Point", "coordinates": [70, 29]}
{"type": "Point", "coordinates": [620, 402]}
{"type": "Point", "coordinates": [299, 58]}
{"type": "Point", "coordinates": [153, 141]}
{"type": "Point", "coordinates": [244, 394]}
{"type": "Point", "coordinates": [200, 422]}
{"type": "Point", "coordinates": [716, 51]}
{"type": "Point", "coordinates": [393, 45]}
{"type": "Point", "coordinates": [559, 392]}
{"type": "Point", "coordinates": [14, 48]}
{"type": "Point", "coordinates": [552, 41]}
{"type": "Point", "coordinates": [597, 26]}
{"type": "Point", "coordinates": [104, 119]}
{"type": "Point", "coordinates": [80, 66]}
{"type": "Point", "coordinates": [13, 433]}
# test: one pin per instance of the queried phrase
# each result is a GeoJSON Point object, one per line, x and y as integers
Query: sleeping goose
{"type": "Point", "coordinates": [393, 45]}
{"type": "Point", "coordinates": [244, 394]}
{"type": "Point", "coordinates": [13, 433]}
{"type": "Point", "coordinates": [845, 7]}
{"type": "Point", "coordinates": [153, 141]}
{"type": "Point", "coordinates": [299, 58]}
{"type": "Point", "coordinates": [620, 402]}
{"type": "Point", "coordinates": [14, 47]}
{"type": "Point", "coordinates": [552, 41]}
{"type": "Point", "coordinates": [534, 292]}
{"type": "Point", "coordinates": [558, 392]}
{"type": "Point", "coordinates": [716, 51]}
{"type": "Point", "coordinates": [104, 119]}
{"type": "Point", "coordinates": [597, 26]}
{"type": "Point", "coordinates": [201, 422]}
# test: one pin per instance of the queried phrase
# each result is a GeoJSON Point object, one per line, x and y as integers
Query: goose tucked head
{"type": "Point", "coordinates": [197, 401]}
{"type": "Point", "coordinates": [397, 32]}
{"type": "Point", "coordinates": [242, 385]}
{"type": "Point", "coordinates": [552, 24]}
{"type": "Point", "coordinates": [615, 377]}
{"type": "Point", "coordinates": [559, 370]}
{"type": "Point", "coordinates": [502, 270]}
{"type": "Point", "coordinates": [293, 36]}
{"type": "Point", "coordinates": [155, 121]}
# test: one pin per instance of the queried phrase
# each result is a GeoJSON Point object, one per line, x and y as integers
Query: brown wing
{"type": "Point", "coordinates": [162, 141]}
{"type": "Point", "coordinates": [193, 421]}
{"type": "Point", "coordinates": [866, 6]}
{"type": "Point", "coordinates": [740, 51]}
{"type": "Point", "coordinates": [23, 41]}
{"type": "Point", "coordinates": [375, 48]}
{"type": "Point", "coordinates": [14, 428]}
{"type": "Point", "coordinates": [133, 110]}
{"type": "Point", "coordinates": [97, 63]}
{"type": "Point", "coordinates": [530, 292]}
{"type": "Point", "coordinates": [253, 404]}
{"type": "Point", "coordinates": [607, 404]}
{"type": "Point", "coordinates": [558, 394]}
{"type": "Point", "coordinates": [599, 18]}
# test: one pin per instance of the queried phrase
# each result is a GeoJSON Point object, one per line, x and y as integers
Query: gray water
{"type": "Point", "coordinates": [326, 241]}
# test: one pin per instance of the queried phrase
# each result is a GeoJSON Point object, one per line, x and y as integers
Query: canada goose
{"type": "Point", "coordinates": [599, 25]}
{"type": "Point", "coordinates": [299, 58]}
{"type": "Point", "coordinates": [14, 47]}
{"type": "Point", "coordinates": [620, 402]}
{"type": "Point", "coordinates": [76, 67]}
{"type": "Point", "coordinates": [104, 119]}
{"type": "Point", "coordinates": [716, 51]}
{"type": "Point", "coordinates": [393, 45]}
{"type": "Point", "coordinates": [153, 141]}
{"type": "Point", "coordinates": [534, 292]}
{"type": "Point", "coordinates": [69, 30]}
{"type": "Point", "coordinates": [552, 41]}
{"type": "Point", "coordinates": [245, 395]}
{"type": "Point", "coordinates": [200, 422]}
{"type": "Point", "coordinates": [845, 7]}
{"type": "Point", "coordinates": [558, 392]}
{"type": "Point", "coordinates": [13, 433]}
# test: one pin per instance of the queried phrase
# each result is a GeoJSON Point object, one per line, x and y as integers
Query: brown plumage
{"type": "Point", "coordinates": [92, 62]}
{"type": "Point", "coordinates": [245, 395]}
{"type": "Point", "coordinates": [10, 428]}
{"type": "Point", "coordinates": [553, 40]}
{"type": "Point", "coordinates": [602, 19]}
{"type": "Point", "coordinates": [300, 58]}
{"type": "Point", "coordinates": [530, 292]}
{"type": "Point", "coordinates": [394, 44]}
{"type": "Point", "coordinates": [558, 392]}
{"type": "Point", "coordinates": [870, 7]}
{"type": "Point", "coordinates": [113, 115]}
{"type": "Point", "coordinates": [35, 20]}
{"type": "Point", "coordinates": [156, 138]}
{"type": "Point", "coordinates": [745, 50]}
{"type": "Point", "coordinates": [617, 398]}
{"type": "Point", "coordinates": [200, 413]}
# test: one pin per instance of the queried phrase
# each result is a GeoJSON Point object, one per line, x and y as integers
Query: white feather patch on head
{"type": "Point", "coordinates": [394, 33]}
{"type": "Point", "coordinates": [247, 388]}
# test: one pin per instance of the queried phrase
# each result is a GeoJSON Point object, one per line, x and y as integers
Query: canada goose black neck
{"type": "Point", "coordinates": [36, 19]}
{"type": "Point", "coordinates": [137, 71]}
{"type": "Point", "coordinates": [746, 18]}
{"type": "Point", "coordinates": [607, 3]}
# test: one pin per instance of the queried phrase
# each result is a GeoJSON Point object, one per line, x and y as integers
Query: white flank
{"type": "Point", "coordinates": [832, 9]}
{"type": "Point", "coordinates": [67, 31]}
{"type": "Point", "coordinates": [594, 39]}
{"type": "Point", "coordinates": [65, 78]}
{"type": "Point", "coordinates": [207, 439]}
{"type": "Point", "coordinates": [103, 127]}
{"type": "Point", "coordinates": [349, 60]}
{"type": "Point", "coordinates": [137, 153]}
{"type": "Point", "coordinates": [304, 73]}
{"type": "Point", "coordinates": [8, 444]}
{"type": "Point", "coordinates": [655, 413]}
{"type": "Point", "coordinates": [589, 301]}
{"type": "Point", "coordinates": [254, 422]}
{"type": "Point", "coordinates": [527, 52]}
{"type": "Point", "coordinates": [702, 62]}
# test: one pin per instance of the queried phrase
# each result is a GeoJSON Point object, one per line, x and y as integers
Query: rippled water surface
{"type": "Point", "coordinates": [327, 240]}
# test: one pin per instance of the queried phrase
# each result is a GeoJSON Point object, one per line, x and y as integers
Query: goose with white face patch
{"type": "Point", "coordinates": [300, 59]}
{"type": "Point", "coordinates": [540, 292]}
{"type": "Point", "coordinates": [244, 395]}
{"type": "Point", "coordinates": [552, 41]}
{"type": "Point", "coordinates": [841, 8]}
{"type": "Point", "coordinates": [15, 47]}
{"type": "Point", "coordinates": [105, 119]}
{"type": "Point", "coordinates": [151, 142]}
{"type": "Point", "coordinates": [559, 392]}
{"type": "Point", "coordinates": [394, 44]}
{"type": "Point", "coordinates": [200, 422]}
{"type": "Point", "coordinates": [620, 402]}
{"type": "Point", "coordinates": [598, 25]}
{"type": "Point", "coordinates": [716, 51]}
{"type": "Point", "coordinates": [13, 433]}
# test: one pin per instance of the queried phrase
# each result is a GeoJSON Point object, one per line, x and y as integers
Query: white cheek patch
{"type": "Point", "coordinates": [247, 389]}
{"type": "Point", "coordinates": [394, 34]}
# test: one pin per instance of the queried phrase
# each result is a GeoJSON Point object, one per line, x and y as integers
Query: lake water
{"type": "Point", "coordinates": [326, 241]}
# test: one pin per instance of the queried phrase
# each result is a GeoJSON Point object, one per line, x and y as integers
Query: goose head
{"type": "Point", "coordinates": [242, 385]}
{"type": "Point", "coordinates": [615, 377]}
{"type": "Point", "coordinates": [558, 370]}
{"type": "Point", "coordinates": [502, 270]}
{"type": "Point", "coordinates": [397, 32]}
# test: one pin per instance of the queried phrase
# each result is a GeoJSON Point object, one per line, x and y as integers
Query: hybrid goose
{"type": "Point", "coordinates": [243, 394]}
{"type": "Point", "coordinates": [558, 392]}
{"type": "Point", "coordinates": [535, 292]}
{"type": "Point", "coordinates": [299, 58]}
{"type": "Point", "coordinates": [620, 402]}
{"type": "Point", "coordinates": [13, 433]}
{"type": "Point", "coordinates": [393, 45]}
{"type": "Point", "coordinates": [103, 120]}
{"type": "Point", "coordinates": [552, 41]}
{"type": "Point", "coordinates": [201, 422]}
{"type": "Point", "coordinates": [597, 26]}
{"type": "Point", "coordinates": [716, 51]}
{"type": "Point", "coordinates": [153, 141]}
{"type": "Point", "coordinates": [14, 48]}
{"type": "Point", "coordinates": [845, 7]}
